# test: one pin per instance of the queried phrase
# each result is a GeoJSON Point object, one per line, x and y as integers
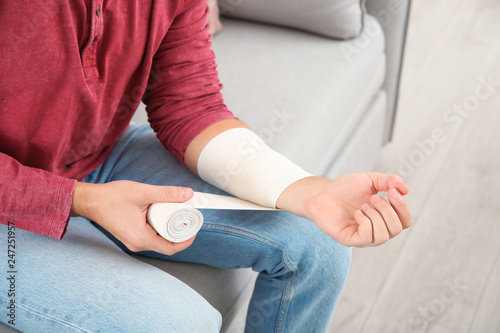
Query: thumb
{"type": "Point", "coordinates": [169, 194]}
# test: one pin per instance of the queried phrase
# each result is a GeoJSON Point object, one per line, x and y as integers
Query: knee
{"type": "Point", "coordinates": [197, 317]}
{"type": "Point", "coordinates": [213, 320]}
{"type": "Point", "coordinates": [206, 319]}
{"type": "Point", "coordinates": [181, 310]}
{"type": "Point", "coordinates": [334, 260]}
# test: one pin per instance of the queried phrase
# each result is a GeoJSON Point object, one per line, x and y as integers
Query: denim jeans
{"type": "Point", "coordinates": [87, 282]}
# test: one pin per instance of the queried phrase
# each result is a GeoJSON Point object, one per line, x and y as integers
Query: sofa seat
{"type": "Point", "coordinates": [327, 96]}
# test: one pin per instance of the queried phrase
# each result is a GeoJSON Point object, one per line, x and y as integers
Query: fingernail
{"type": "Point", "coordinates": [375, 199]}
{"type": "Point", "coordinates": [366, 206]}
{"type": "Point", "coordinates": [360, 212]}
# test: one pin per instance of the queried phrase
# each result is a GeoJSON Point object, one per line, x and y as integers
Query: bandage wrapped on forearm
{"type": "Point", "coordinates": [239, 162]}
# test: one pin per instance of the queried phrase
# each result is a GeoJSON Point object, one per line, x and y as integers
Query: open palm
{"type": "Point", "coordinates": [349, 210]}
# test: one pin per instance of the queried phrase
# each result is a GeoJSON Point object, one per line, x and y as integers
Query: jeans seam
{"type": "Point", "coordinates": [50, 318]}
{"type": "Point", "coordinates": [286, 298]}
{"type": "Point", "coordinates": [284, 304]}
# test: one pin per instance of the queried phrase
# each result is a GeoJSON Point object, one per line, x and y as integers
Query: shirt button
{"type": "Point", "coordinates": [98, 11]}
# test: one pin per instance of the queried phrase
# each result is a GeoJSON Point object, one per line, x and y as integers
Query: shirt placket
{"type": "Point", "coordinates": [89, 53]}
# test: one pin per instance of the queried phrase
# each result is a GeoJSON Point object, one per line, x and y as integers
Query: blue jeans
{"type": "Point", "coordinates": [88, 283]}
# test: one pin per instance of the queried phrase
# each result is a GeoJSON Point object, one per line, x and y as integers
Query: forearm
{"type": "Point", "coordinates": [242, 164]}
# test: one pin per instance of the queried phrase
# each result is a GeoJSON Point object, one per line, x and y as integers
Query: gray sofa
{"type": "Point", "coordinates": [327, 104]}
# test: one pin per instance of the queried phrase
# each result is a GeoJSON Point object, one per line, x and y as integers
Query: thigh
{"type": "Point", "coordinates": [85, 283]}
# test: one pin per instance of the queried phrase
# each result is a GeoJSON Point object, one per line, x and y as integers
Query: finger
{"type": "Point", "coordinates": [380, 232]}
{"type": "Point", "coordinates": [159, 244]}
{"type": "Point", "coordinates": [168, 194]}
{"type": "Point", "coordinates": [166, 247]}
{"type": "Point", "coordinates": [365, 232]}
{"type": "Point", "coordinates": [401, 207]}
{"type": "Point", "coordinates": [389, 215]}
{"type": "Point", "coordinates": [397, 183]}
{"type": "Point", "coordinates": [384, 182]}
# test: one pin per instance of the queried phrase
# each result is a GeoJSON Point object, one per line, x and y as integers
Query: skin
{"type": "Point", "coordinates": [215, 25]}
{"type": "Point", "coordinates": [347, 209]}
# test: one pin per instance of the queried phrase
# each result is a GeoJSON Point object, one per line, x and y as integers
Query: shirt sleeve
{"type": "Point", "coordinates": [183, 96]}
{"type": "Point", "coordinates": [33, 199]}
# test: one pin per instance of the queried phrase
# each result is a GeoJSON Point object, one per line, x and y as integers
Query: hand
{"type": "Point", "coordinates": [215, 25]}
{"type": "Point", "coordinates": [120, 207]}
{"type": "Point", "coordinates": [348, 208]}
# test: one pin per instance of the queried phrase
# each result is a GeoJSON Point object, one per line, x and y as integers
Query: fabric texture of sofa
{"type": "Point", "coordinates": [326, 103]}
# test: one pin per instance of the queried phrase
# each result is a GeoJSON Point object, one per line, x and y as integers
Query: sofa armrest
{"type": "Point", "coordinates": [393, 16]}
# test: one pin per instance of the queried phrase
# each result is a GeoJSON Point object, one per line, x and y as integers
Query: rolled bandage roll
{"type": "Point", "coordinates": [176, 222]}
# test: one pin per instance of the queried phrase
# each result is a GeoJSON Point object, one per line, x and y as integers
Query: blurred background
{"type": "Point", "coordinates": [442, 275]}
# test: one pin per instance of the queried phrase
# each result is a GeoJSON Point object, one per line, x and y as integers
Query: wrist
{"type": "Point", "coordinates": [295, 197]}
{"type": "Point", "coordinates": [82, 203]}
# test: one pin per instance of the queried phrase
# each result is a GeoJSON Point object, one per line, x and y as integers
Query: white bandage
{"type": "Point", "coordinates": [239, 162]}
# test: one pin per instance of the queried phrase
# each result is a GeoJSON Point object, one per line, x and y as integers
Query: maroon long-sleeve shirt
{"type": "Point", "coordinates": [72, 73]}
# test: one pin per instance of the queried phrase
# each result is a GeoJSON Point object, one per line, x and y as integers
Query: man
{"type": "Point", "coordinates": [72, 74]}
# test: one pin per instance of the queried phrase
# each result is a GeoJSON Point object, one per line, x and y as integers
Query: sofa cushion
{"type": "Point", "coordinates": [332, 18]}
{"type": "Point", "coordinates": [304, 95]}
